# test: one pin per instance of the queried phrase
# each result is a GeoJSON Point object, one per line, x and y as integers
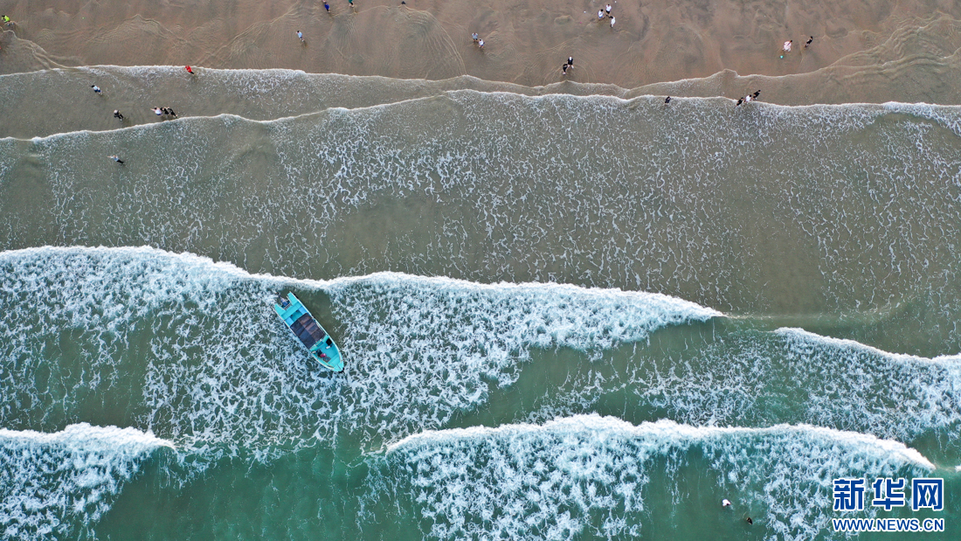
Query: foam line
{"type": "Point", "coordinates": [591, 475]}
{"type": "Point", "coordinates": [666, 432]}
{"type": "Point", "coordinates": [803, 335]}
{"type": "Point", "coordinates": [53, 485]}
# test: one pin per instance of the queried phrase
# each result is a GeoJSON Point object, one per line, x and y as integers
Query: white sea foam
{"type": "Point", "coordinates": [755, 378]}
{"type": "Point", "coordinates": [800, 335]}
{"type": "Point", "coordinates": [218, 371]}
{"type": "Point", "coordinates": [52, 486]}
{"type": "Point", "coordinates": [452, 185]}
{"type": "Point", "coordinates": [590, 474]}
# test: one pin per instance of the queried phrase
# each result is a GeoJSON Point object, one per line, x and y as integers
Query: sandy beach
{"type": "Point", "coordinates": [882, 51]}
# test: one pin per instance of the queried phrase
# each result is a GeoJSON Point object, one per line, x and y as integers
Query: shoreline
{"type": "Point", "coordinates": [276, 94]}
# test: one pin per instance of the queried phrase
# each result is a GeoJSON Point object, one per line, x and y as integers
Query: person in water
{"type": "Point", "coordinates": [667, 100]}
{"type": "Point", "coordinates": [116, 159]}
{"type": "Point", "coordinates": [189, 70]}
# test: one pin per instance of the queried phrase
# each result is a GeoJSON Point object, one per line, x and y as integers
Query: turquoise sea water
{"type": "Point", "coordinates": [564, 317]}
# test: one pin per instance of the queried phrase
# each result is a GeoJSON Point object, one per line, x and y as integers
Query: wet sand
{"type": "Point", "coordinates": [882, 51]}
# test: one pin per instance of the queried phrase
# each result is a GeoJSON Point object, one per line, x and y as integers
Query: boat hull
{"type": "Point", "coordinates": [310, 333]}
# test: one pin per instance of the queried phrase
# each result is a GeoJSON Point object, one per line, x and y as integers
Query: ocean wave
{"type": "Point", "coordinates": [55, 486]}
{"type": "Point", "coordinates": [748, 377]}
{"type": "Point", "coordinates": [591, 475]}
{"type": "Point", "coordinates": [195, 348]}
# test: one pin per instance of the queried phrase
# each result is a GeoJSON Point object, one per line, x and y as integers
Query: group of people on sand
{"type": "Point", "coordinates": [606, 14]}
{"type": "Point", "coordinates": [789, 44]}
{"type": "Point", "coordinates": [477, 40]}
{"type": "Point", "coordinates": [749, 98]}
{"type": "Point", "coordinates": [162, 112]}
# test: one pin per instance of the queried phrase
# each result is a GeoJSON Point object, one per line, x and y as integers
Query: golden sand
{"type": "Point", "coordinates": [862, 51]}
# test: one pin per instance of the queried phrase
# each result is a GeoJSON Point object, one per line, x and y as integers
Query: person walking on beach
{"type": "Point", "coordinates": [117, 115]}
{"type": "Point", "coordinates": [600, 15]}
{"type": "Point", "coordinates": [756, 94]}
{"type": "Point", "coordinates": [808, 42]}
{"type": "Point", "coordinates": [327, 7]}
{"type": "Point", "coordinates": [570, 61]}
{"type": "Point", "coordinates": [607, 8]}
{"type": "Point", "coordinates": [475, 37]}
{"type": "Point", "coordinates": [786, 48]}
{"type": "Point", "coordinates": [95, 88]}
{"type": "Point", "coordinates": [300, 35]}
{"type": "Point", "coordinates": [564, 69]}
{"type": "Point", "coordinates": [116, 159]}
{"type": "Point", "coordinates": [158, 111]}
{"type": "Point", "coordinates": [612, 23]}
{"type": "Point", "coordinates": [480, 44]}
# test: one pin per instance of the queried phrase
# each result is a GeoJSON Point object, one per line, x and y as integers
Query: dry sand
{"type": "Point", "coordinates": [863, 51]}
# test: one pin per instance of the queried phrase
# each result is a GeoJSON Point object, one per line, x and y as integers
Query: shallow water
{"type": "Point", "coordinates": [563, 317]}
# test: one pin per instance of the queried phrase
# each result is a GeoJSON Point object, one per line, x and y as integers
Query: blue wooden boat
{"type": "Point", "coordinates": [310, 333]}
